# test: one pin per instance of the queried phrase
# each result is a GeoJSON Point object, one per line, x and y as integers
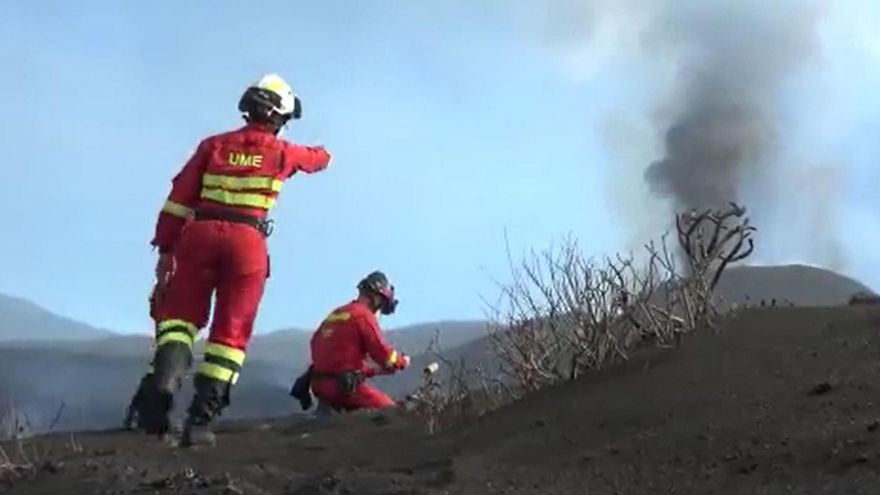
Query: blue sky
{"type": "Point", "coordinates": [450, 126]}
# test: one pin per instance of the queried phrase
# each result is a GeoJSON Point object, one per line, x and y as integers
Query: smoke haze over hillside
{"type": "Point", "coordinates": [726, 112]}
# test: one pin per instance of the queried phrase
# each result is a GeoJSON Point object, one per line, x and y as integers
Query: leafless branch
{"type": "Point", "coordinates": [57, 416]}
{"type": "Point", "coordinates": [451, 391]}
{"type": "Point", "coordinates": [563, 314]}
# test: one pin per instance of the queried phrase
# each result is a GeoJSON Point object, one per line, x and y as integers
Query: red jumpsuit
{"type": "Point", "coordinates": [342, 343]}
{"type": "Point", "coordinates": [241, 171]}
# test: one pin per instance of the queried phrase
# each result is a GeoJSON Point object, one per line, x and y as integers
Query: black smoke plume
{"type": "Point", "coordinates": [735, 58]}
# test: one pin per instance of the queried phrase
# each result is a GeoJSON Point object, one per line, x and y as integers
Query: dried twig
{"type": "Point", "coordinates": [57, 416]}
{"type": "Point", "coordinates": [11, 470]}
{"type": "Point", "coordinates": [451, 390]}
{"type": "Point", "coordinates": [74, 444]}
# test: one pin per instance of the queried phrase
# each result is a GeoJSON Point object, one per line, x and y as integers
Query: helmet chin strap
{"type": "Point", "coordinates": [282, 127]}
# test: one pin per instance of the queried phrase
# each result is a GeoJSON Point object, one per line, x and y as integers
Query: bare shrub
{"type": "Point", "coordinates": [15, 424]}
{"type": "Point", "coordinates": [563, 313]}
{"type": "Point", "coordinates": [453, 390]}
{"type": "Point", "coordinates": [710, 240]}
{"type": "Point", "coordinates": [21, 459]}
{"type": "Point", "coordinates": [14, 470]}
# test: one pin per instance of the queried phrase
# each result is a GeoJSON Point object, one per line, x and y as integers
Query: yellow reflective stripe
{"type": "Point", "coordinates": [229, 182]}
{"type": "Point", "coordinates": [175, 337]}
{"type": "Point", "coordinates": [176, 209]}
{"type": "Point", "coordinates": [341, 316]}
{"type": "Point", "coordinates": [225, 352]}
{"type": "Point", "coordinates": [238, 199]}
{"type": "Point", "coordinates": [177, 323]}
{"type": "Point", "coordinates": [392, 359]}
{"type": "Point", "coordinates": [186, 338]}
{"type": "Point", "coordinates": [217, 372]}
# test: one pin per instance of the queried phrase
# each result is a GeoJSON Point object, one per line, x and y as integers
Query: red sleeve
{"type": "Point", "coordinates": [308, 159]}
{"type": "Point", "coordinates": [185, 191]}
{"type": "Point", "coordinates": [377, 348]}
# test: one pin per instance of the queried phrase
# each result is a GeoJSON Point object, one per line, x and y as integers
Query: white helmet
{"type": "Point", "coordinates": [270, 98]}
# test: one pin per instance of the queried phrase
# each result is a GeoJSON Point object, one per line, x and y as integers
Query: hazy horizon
{"type": "Point", "coordinates": [455, 128]}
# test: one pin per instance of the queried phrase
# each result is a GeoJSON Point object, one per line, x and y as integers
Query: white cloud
{"type": "Point", "coordinates": [587, 37]}
{"type": "Point", "coordinates": [611, 40]}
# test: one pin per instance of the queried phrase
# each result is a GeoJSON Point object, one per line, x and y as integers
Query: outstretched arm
{"type": "Point", "coordinates": [378, 348]}
{"type": "Point", "coordinates": [308, 159]}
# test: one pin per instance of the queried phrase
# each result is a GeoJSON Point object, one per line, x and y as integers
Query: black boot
{"type": "Point", "coordinates": [325, 410]}
{"type": "Point", "coordinates": [211, 397]}
{"type": "Point", "coordinates": [134, 405]}
{"type": "Point", "coordinates": [130, 418]}
{"type": "Point", "coordinates": [301, 390]}
{"type": "Point", "coordinates": [172, 360]}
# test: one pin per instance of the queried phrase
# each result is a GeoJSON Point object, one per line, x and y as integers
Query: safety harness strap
{"type": "Point", "coordinates": [347, 381]}
{"type": "Point", "coordinates": [264, 226]}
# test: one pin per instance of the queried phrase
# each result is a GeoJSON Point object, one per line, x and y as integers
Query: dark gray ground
{"type": "Point", "coordinates": [780, 401]}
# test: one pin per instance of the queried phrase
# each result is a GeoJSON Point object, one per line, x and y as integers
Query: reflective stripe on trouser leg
{"type": "Point", "coordinates": [222, 363]}
{"type": "Point", "coordinates": [171, 359]}
{"type": "Point", "coordinates": [176, 330]}
{"type": "Point", "coordinates": [173, 354]}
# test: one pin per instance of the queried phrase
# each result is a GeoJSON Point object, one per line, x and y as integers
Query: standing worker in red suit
{"type": "Point", "coordinates": [211, 235]}
{"type": "Point", "coordinates": [341, 346]}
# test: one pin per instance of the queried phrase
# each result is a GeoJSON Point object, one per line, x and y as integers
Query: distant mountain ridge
{"type": "Point", "coordinates": [21, 319]}
{"type": "Point", "coordinates": [94, 372]}
{"type": "Point", "coordinates": [24, 321]}
{"type": "Point", "coordinates": [802, 285]}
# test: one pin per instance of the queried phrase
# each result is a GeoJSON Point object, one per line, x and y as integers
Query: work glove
{"type": "Point", "coordinates": [402, 362]}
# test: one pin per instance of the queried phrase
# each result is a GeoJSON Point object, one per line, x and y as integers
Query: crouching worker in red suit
{"type": "Point", "coordinates": [215, 224]}
{"type": "Point", "coordinates": [340, 347]}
